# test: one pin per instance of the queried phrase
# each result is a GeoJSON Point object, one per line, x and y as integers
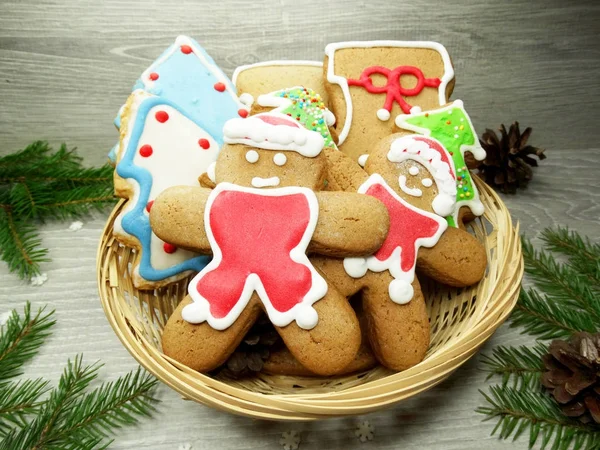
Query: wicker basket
{"type": "Point", "coordinates": [461, 321]}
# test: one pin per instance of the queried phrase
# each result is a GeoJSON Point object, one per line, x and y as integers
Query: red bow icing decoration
{"type": "Point", "coordinates": [410, 228]}
{"type": "Point", "coordinates": [393, 88]}
{"type": "Point", "coordinates": [259, 240]}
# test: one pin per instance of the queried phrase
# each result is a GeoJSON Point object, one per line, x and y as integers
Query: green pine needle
{"type": "Point", "coordinates": [518, 366]}
{"type": "Point", "coordinates": [69, 416]}
{"type": "Point", "coordinates": [37, 184]}
{"type": "Point", "coordinates": [565, 299]}
{"type": "Point", "coordinates": [19, 399]}
{"type": "Point", "coordinates": [20, 339]}
{"type": "Point", "coordinates": [518, 410]}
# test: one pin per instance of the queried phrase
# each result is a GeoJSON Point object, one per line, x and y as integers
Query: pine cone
{"type": "Point", "coordinates": [573, 375]}
{"type": "Point", "coordinates": [250, 356]}
{"type": "Point", "coordinates": [508, 164]}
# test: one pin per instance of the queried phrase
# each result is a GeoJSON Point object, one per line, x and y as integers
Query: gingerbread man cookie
{"type": "Point", "coordinates": [262, 219]}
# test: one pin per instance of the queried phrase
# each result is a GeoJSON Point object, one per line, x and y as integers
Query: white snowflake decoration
{"type": "Point", "coordinates": [4, 317]}
{"type": "Point", "coordinates": [364, 431]}
{"type": "Point", "coordinates": [290, 440]}
{"type": "Point", "coordinates": [76, 226]}
{"type": "Point", "coordinates": [38, 280]}
{"type": "Point", "coordinates": [186, 446]}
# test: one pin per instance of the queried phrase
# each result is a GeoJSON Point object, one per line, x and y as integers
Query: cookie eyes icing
{"type": "Point", "coordinates": [414, 170]}
{"type": "Point", "coordinates": [280, 159]}
{"type": "Point", "coordinates": [427, 182]}
{"type": "Point", "coordinates": [252, 156]}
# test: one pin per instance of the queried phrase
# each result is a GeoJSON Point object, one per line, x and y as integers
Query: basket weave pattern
{"type": "Point", "coordinates": [461, 321]}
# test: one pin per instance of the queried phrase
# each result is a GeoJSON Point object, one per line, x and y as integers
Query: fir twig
{"type": "Point", "coordinates": [69, 417]}
{"type": "Point", "coordinates": [19, 399]}
{"type": "Point", "coordinates": [540, 316]}
{"type": "Point", "coordinates": [518, 366]}
{"type": "Point", "coordinates": [520, 409]}
{"type": "Point", "coordinates": [20, 340]}
{"type": "Point", "coordinates": [36, 184]}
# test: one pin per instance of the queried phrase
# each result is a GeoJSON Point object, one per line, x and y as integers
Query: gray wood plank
{"type": "Point", "coordinates": [66, 66]}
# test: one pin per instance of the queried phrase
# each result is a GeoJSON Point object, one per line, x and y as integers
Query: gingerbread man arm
{"type": "Point", "coordinates": [177, 217]}
{"type": "Point", "coordinates": [343, 174]}
{"type": "Point", "coordinates": [349, 224]}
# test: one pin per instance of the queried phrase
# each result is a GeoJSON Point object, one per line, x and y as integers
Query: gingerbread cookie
{"type": "Point", "coordinates": [414, 177]}
{"type": "Point", "coordinates": [262, 219]}
{"type": "Point", "coordinates": [171, 130]}
{"type": "Point", "coordinates": [370, 82]}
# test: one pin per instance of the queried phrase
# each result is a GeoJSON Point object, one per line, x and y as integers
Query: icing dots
{"type": "Point", "coordinates": [413, 170]}
{"type": "Point", "coordinates": [146, 150]}
{"type": "Point", "coordinates": [275, 225]}
{"type": "Point", "coordinates": [252, 156]}
{"type": "Point", "coordinates": [186, 49]}
{"type": "Point", "coordinates": [304, 106]}
{"type": "Point", "coordinates": [219, 87]}
{"type": "Point", "coordinates": [161, 116]}
{"type": "Point", "coordinates": [279, 159]}
{"type": "Point", "coordinates": [204, 143]}
{"type": "Point", "coordinates": [427, 182]}
{"type": "Point", "coordinates": [169, 248]}
{"type": "Point", "coordinates": [362, 160]}
{"type": "Point", "coordinates": [410, 229]}
{"type": "Point", "coordinates": [153, 76]}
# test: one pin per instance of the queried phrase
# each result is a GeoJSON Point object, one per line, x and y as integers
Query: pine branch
{"type": "Point", "coordinates": [561, 283]}
{"type": "Point", "coordinates": [518, 410]}
{"type": "Point", "coordinates": [37, 184]}
{"type": "Point", "coordinates": [20, 340]}
{"type": "Point", "coordinates": [111, 406]}
{"type": "Point", "coordinates": [17, 400]}
{"type": "Point", "coordinates": [540, 316]}
{"type": "Point", "coordinates": [518, 366]}
{"type": "Point", "coordinates": [584, 256]}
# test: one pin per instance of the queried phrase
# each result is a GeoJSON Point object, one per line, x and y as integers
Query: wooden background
{"type": "Point", "coordinates": [67, 65]}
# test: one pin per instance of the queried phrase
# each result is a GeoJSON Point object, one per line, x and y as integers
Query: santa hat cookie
{"type": "Point", "coordinates": [273, 131]}
{"type": "Point", "coordinates": [431, 154]}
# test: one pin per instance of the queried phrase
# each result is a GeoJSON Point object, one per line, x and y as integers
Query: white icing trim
{"type": "Point", "coordinates": [279, 62]}
{"type": "Point", "coordinates": [400, 289]}
{"type": "Point", "coordinates": [210, 171]}
{"type": "Point", "coordinates": [409, 148]}
{"type": "Point", "coordinates": [343, 83]}
{"type": "Point", "coordinates": [303, 313]}
{"type": "Point", "coordinates": [259, 182]}
{"type": "Point", "coordinates": [414, 192]}
{"type": "Point", "coordinates": [247, 99]}
{"type": "Point", "coordinates": [257, 133]}
{"type": "Point", "coordinates": [184, 40]}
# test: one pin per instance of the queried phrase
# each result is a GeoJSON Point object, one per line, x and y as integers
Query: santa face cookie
{"type": "Point", "coordinates": [370, 83]}
{"type": "Point", "coordinates": [167, 137]}
{"type": "Point", "coordinates": [263, 217]}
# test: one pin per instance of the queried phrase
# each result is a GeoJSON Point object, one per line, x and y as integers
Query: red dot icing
{"type": "Point", "coordinates": [149, 205]}
{"type": "Point", "coordinates": [154, 76]}
{"type": "Point", "coordinates": [204, 144]}
{"type": "Point", "coordinates": [243, 113]}
{"type": "Point", "coordinates": [161, 116]}
{"type": "Point", "coordinates": [146, 150]}
{"type": "Point", "coordinates": [169, 248]}
{"type": "Point", "coordinates": [219, 87]}
{"type": "Point", "coordinates": [186, 49]}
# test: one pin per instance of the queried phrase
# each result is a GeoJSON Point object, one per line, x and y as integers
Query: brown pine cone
{"type": "Point", "coordinates": [573, 375]}
{"type": "Point", "coordinates": [508, 160]}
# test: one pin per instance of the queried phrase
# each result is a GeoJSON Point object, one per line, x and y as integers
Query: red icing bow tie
{"type": "Point", "coordinates": [393, 89]}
